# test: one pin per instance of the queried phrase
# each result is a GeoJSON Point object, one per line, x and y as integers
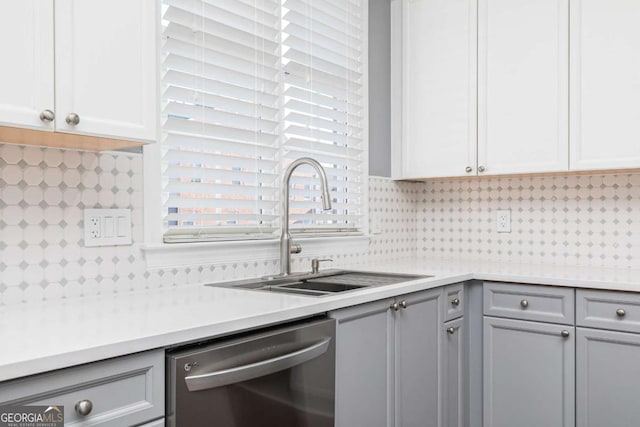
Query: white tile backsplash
{"type": "Point", "coordinates": [562, 220]}
{"type": "Point", "coordinates": [572, 220]}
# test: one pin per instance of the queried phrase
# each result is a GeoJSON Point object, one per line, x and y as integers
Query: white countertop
{"type": "Point", "coordinates": [51, 335]}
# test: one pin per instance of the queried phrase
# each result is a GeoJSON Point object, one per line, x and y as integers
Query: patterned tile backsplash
{"type": "Point", "coordinates": [581, 220]}
{"type": "Point", "coordinates": [563, 220]}
{"type": "Point", "coordinates": [43, 192]}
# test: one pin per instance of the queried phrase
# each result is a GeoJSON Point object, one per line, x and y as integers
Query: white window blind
{"type": "Point", "coordinates": [248, 87]}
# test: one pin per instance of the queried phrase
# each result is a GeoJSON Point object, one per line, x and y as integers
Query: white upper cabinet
{"type": "Point", "coordinates": [439, 88]}
{"type": "Point", "coordinates": [106, 67]}
{"type": "Point", "coordinates": [605, 84]}
{"type": "Point", "coordinates": [82, 67]}
{"type": "Point", "coordinates": [523, 59]}
{"type": "Point", "coordinates": [26, 74]}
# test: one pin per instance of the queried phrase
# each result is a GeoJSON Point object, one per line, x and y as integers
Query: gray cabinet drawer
{"type": "Point", "coordinates": [529, 302]}
{"type": "Point", "coordinates": [124, 391]}
{"type": "Point", "coordinates": [453, 301]}
{"type": "Point", "coordinates": [608, 310]}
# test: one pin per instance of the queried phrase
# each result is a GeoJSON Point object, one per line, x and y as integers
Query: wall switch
{"type": "Point", "coordinates": [107, 227]}
{"type": "Point", "coordinates": [503, 221]}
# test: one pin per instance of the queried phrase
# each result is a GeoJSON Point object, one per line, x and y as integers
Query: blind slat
{"type": "Point", "coordinates": [202, 41]}
{"type": "Point", "coordinates": [220, 203]}
{"type": "Point", "coordinates": [218, 131]}
{"type": "Point", "coordinates": [331, 148]}
{"type": "Point", "coordinates": [206, 160]}
{"type": "Point", "coordinates": [197, 69]}
{"type": "Point", "coordinates": [179, 141]}
{"type": "Point", "coordinates": [233, 27]}
{"type": "Point", "coordinates": [210, 173]}
{"type": "Point", "coordinates": [336, 34]}
{"type": "Point", "coordinates": [213, 57]}
{"type": "Point", "coordinates": [213, 116]}
{"type": "Point", "coordinates": [326, 15]}
{"type": "Point", "coordinates": [191, 96]}
{"type": "Point", "coordinates": [185, 80]}
{"type": "Point", "coordinates": [210, 189]}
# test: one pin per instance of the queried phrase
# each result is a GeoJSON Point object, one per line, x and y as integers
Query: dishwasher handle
{"type": "Point", "coordinates": [255, 370]}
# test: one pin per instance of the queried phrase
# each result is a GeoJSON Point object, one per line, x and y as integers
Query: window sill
{"type": "Point", "coordinates": [207, 253]}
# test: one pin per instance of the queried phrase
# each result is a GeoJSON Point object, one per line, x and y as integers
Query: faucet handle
{"type": "Point", "coordinates": [315, 264]}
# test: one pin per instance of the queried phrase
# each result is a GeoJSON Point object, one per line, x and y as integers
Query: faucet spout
{"type": "Point", "coordinates": [285, 236]}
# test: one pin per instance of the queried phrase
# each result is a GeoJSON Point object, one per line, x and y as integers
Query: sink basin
{"type": "Point", "coordinates": [326, 283]}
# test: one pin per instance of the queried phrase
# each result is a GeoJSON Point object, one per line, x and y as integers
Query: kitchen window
{"type": "Point", "coordinates": [248, 87]}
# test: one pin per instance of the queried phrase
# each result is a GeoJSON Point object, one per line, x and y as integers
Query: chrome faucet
{"type": "Point", "coordinates": [287, 246]}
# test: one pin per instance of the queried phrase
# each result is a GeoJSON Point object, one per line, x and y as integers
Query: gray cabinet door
{"type": "Point", "coordinates": [454, 374]}
{"type": "Point", "coordinates": [418, 385]}
{"type": "Point", "coordinates": [608, 378]}
{"type": "Point", "coordinates": [363, 365]}
{"type": "Point", "coordinates": [529, 374]}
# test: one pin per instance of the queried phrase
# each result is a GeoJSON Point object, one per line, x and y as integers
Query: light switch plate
{"type": "Point", "coordinates": [107, 227]}
{"type": "Point", "coordinates": [503, 221]}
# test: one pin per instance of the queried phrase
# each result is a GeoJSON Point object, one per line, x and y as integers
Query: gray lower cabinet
{"type": "Point", "coordinates": [608, 378]}
{"type": "Point", "coordinates": [529, 374]}
{"type": "Point", "coordinates": [455, 373]}
{"type": "Point", "coordinates": [397, 366]}
{"type": "Point", "coordinates": [418, 370]}
{"type": "Point", "coordinates": [118, 392]}
{"type": "Point", "coordinates": [363, 365]}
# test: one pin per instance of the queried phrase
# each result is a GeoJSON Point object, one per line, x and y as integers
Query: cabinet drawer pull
{"type": "Point", "coordinates": [72, 119]}
{"type": "Point", "coordinates": [403, 304]}
{"type": "Point", "coordinates": [620, 312]}
{"type": "Point", "coordinates": [481, 169]}
{"type": "Point", "coordinates": [451, 330]}
{"type": "Point", "coordinates": [84, 407]}
{"type": "Point", "coordinates": [564, 333]}
{"type": "Point", "coordinates": [524, 303]}
{"type": "Point", "coordinates": [395, 306]}
{"type": "Point", "coordinates": [47, 116]}
{"type": "Point", "coordinates": [455, 302]}
{"type": "Point", "coordinates": [468, 169]}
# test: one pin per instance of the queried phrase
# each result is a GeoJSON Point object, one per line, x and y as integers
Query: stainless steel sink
{"type": "Point", "coordinates": [327, 282]}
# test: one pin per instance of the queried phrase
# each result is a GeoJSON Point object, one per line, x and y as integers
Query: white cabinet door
{"type": "Point", "coordinates": [26, 74]}
{"type": "Point", "coordinates": [439, 88]}
{"type": "Point", "coordinates": [605, 84]}
{"type": "Point", "coordinates": [608, 378]}
{"type": "Point", "coordinates": [106, 67]}
{"type": "Point", "coordinates": [529, 374]}
{"type": "Point", "coordinates": [523, 51]}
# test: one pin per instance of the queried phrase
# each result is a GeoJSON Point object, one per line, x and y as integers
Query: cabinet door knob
{"type": "Point", "coordinates": [564, 333]}
{"type": "Point", "coordinates": [524, 303]}
{"type": "Point", "coordinates": [620, 312]}
{"type": "Point", "coordinates": [395, 306]}
{"type": "Point", "coordinates": [84, 407]}
{"type": "Point", "coordinates": [47, 116]}
{"type": "Point", "coordinates": [481, 169]}
{"type": "Point", "coordinates": [455, 302]}
{"type": "Point", "coordinates": [403, 304]}
{"type": "Point", "coordinates": [451, 331]}
{"type": "Point", "coordinates": [72, 119]}
{"type": "Point", "coordinates": [468, 169]}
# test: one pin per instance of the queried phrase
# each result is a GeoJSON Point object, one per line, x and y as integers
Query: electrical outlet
{"type": "Point", "coordinates": [92, 226]}
{"type": "Point", "coordinates": [107, 227]}
{"type": "Point", "coordinates": [503, 221]}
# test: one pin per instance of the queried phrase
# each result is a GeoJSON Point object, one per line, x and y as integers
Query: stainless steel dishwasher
{"type": "Point", "coordinates": [280, 377]}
